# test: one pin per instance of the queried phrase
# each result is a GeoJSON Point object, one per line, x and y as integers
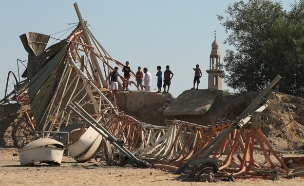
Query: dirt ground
{"type": "Point", "coordinates": [96, 173]}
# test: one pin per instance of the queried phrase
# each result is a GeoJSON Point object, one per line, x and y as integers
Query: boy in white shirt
{"type": "Point", "coordinates": [147, 80]}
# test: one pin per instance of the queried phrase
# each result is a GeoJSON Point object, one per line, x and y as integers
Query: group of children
{"type": "Point", "coordinates": [144, 82]}
{"type": "Point", "coordinates": [144, 79]}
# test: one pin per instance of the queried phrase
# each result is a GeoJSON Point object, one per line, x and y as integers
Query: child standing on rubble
{"type": "Point", "coordinates": [147, 80]}
{"type": "Point", "coordinates": [126, 70]}
{"type": "Point", "coordinates": [113, 82]}
{"type": "Point", "coordinates": [168, 75]}
{"type": "Point", "coordinates": [197, 76]}
{"type": "Point", "coordinates": [159, 78]}
{"type": "Point", "coordinates": [139, 78]}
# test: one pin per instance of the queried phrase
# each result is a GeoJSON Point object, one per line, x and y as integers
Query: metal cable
{"type": "Point", "coordinates": [63, 30]}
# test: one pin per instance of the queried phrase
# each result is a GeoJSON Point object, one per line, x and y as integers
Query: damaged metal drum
{"type": "Point", "coordinates": [90, 153]}
{"type": "Point", "coordinates": [83, 143]}
{"type": "Point", "coordinates": [43, 150]}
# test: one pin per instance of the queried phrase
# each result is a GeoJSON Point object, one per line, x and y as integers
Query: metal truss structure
{"type": "Point", "coordinates": [70, 87]}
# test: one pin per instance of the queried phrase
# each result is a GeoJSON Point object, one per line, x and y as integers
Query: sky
{"type": "Point", "coordinates": [147, 33]}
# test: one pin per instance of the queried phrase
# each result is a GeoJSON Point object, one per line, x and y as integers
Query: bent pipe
{"type": "Point", "coordinates": [7, 79]}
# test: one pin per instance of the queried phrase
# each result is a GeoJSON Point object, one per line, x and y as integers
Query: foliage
{"type": "Point", "coordinates": [227, 93]}
{"type": "Point", "coordinates": [267, 41]}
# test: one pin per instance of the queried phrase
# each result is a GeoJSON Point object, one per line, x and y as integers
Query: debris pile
{"type": "Point", "coordinates": [282, 121]}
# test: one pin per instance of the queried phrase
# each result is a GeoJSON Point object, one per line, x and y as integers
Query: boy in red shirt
{"type": "Point", "coordinates": [139, 78]}
{"type": "Point", "coordinates": [167, 78]}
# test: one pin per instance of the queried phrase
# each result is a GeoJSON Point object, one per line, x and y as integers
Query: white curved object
{"type": "Point", "coordinates": [73, 136]}
{"type": "Point", "coordinates": [41, 142]}
{"type": "Point", "coordinates": [83, 143]}
{"type": "Point", "coordinates": [41, 150]}
{"type": "Point", "coordinates": [89, 154]}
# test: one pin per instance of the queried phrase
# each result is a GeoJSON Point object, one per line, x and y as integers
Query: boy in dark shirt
{"type": "Point", "coordinates": [159, 79]}
{"type": "Point", "coordinates": [167, 78]}
{"type": "Point", "coordinates": [126, 70]}
{"type": "Point", "coordinates": [113, 76]}
{"type": "Point", "coordinates": [197, 76]}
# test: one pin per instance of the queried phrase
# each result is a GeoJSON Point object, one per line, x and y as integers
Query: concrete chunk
{"type": "Point", "coordinates": [135, 101]}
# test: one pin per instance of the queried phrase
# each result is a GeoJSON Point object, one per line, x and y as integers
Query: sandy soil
{"type": "Point", "coordinates": [96, 173]}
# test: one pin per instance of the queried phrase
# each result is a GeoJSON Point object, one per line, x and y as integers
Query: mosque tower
{"type": "Point", "coordinates": [214, 78]}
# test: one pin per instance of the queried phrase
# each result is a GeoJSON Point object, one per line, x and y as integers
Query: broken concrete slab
{"type": "Point", "coordinates": [192, 102]}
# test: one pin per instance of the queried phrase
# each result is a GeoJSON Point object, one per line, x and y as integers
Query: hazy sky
{"type": "Point", "coordinates": [146, 33]}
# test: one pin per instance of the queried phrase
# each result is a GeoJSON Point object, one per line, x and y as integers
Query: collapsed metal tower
{"type": "Point", "coordinates": [65, 84]}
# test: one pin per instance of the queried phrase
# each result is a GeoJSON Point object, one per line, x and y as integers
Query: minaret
{"type": "Point", "coordinates": [214, 79]}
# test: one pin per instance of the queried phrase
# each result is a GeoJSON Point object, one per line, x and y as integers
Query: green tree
{"type": "Point", "coordinates": [267, 41]}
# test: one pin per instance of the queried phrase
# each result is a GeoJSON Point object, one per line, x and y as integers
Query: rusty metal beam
{"type": "Point", "coordinates": [96, 70]}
